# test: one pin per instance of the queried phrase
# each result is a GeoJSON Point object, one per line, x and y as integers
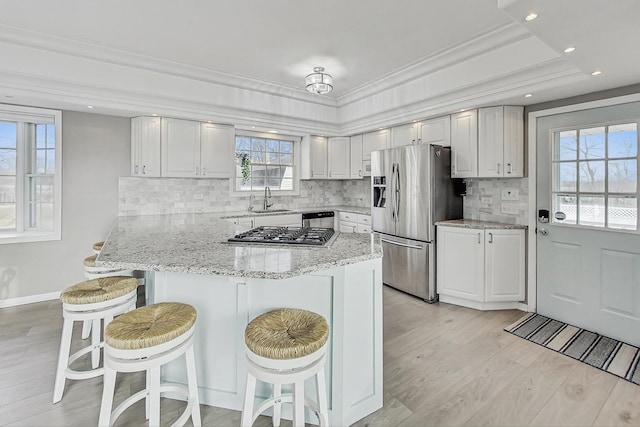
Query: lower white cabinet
{"type": "Point", "coordinates": [481, 268]}
{"type": "Point", "coordinates": [354, 223]}
{"type": "Point", "coordinates": [288, 220]}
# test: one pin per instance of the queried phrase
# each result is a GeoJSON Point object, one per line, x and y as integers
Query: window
{"type": "Point", "coordinates": [595, 177]}
{"type": "Point", "coordinates": [264, 161]}
{"type": "Point", "coordinates": [30, 175]}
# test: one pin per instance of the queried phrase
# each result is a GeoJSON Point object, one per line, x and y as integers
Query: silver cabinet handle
{"type": "Point", "coordinates": [479, 241]}
{"type": "Point", "coordinates": [136, 169]}
{"type": "Point", "coordinates": [419, 140]}
{"type": "Point", "coordinates": [197, 170]}
{"type": "Point", "coordinates": [329, 174]}
{"type": "Point", "coordinates": [510, 168]}
{"type": "Point", "coordinates": [360, 173]}
{"type": "Point", "coordinates": [490, 237]}
{"type": "Point", "coordinates": [498, 168]}
{"type": "Point", "coordinates": [144, 169]}
{"type": "Point", "coordinates": [204, 171]}
{"type": "Point", "coordinates": [404, 245]}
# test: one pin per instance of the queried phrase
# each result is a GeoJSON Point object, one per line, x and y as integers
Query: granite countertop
{"type": "Point", "coordinates": [341, 208]}
{"type": "Point", "coordinates": [197, 243]}
{"type": "Point", "coordinates": [470, 223]}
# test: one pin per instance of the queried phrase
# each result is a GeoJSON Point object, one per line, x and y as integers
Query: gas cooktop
{"type": "Point", "coordinates": [303, 236]}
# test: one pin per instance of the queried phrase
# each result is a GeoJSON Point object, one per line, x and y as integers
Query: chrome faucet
{"type": "Point", "coordinates": [251, 197]}
{"type": "Point", "coordinates": [266, 205]}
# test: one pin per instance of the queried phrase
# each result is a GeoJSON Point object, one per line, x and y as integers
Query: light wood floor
{"type": "Point", "coordinates": [443, 365]}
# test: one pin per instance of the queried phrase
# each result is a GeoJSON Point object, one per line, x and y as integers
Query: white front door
{"type": "Point", "coordinates": [588, 253]}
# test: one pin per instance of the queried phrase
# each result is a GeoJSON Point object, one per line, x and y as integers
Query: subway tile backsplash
{"type": "Point", "coordinates": [479, 189]}
{"type": "Point", "coordinates": [149, 196]}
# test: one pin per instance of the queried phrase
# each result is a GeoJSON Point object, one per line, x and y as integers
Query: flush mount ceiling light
{"type": "Point", "coordinates": [569, 49]}
{"type": "Point", "coordinates": [319, 82]}
{"type": "Point", "coordinates": [529, 95]}
{"type": "Point", "coordinates": [596, 73]}
{"type": "Point", "coordinates": [530, 17]}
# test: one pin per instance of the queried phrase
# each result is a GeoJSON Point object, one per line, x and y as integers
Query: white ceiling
{"type": "Point", "coordinates": [244, 61]}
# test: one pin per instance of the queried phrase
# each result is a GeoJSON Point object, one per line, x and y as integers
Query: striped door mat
{"type": "Point", "coordinates": [604, 353]}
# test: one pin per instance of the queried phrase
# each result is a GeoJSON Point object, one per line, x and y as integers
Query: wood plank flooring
{"type": "Point", "coordinates": [443, 365]}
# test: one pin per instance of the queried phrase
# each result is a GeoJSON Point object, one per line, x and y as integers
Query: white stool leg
{"type": "Point", "coordinates": [249, 394]}
{"type": "Point", "coordinates": [63, 360]}
{"type": "Point", "coordinates": [154, 396]}
{"type": "Point", "coordinates": [298, 404]}
{"type": "Point", "coordinates": [148, 388]}
{"type": "Point", "coordinates": [86, 329]}
{"type": "Point", "coordinates": [95, 342]}
{"type": "Point", "coordinates": [108, 389]}
{"type": "Point", "coordinates": [193, 387]}
{"type": "Point", "coordinates": [277, 406]}
{"type": "Point", "coordinates": [323, 406]}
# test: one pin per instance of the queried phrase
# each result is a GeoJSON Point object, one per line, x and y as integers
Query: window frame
{"type": "Point", "coordinates": [22, 233]}
{"type": "Point", "coordinates": [296, 164]}
{"type": "Point", "coordinates": [606, 193]}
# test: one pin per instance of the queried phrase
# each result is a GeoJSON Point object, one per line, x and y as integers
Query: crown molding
{"type": "Point", "coordinates": [92, 51]}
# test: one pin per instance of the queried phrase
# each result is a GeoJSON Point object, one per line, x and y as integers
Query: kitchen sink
{"type": "Point", "coordinates": [270, 210]}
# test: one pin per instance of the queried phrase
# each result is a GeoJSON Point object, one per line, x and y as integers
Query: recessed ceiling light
{"type": "Point", "coordinates": [253, 127]}
{"type": "Point", "coordinates": [569, 49]}
{"type": "Point", "coordinates": [415, 121]}
{"type": "Point", "coordinates": [380, 128]}
{"type": "Point", "coordinates": [529, 95]}
{"type": "Point", "coordinates": [273, 131]}
{"type": "Point", "coordinates": [596, 73]}
{"type": "Point", "coordinates": [90, 107]}
{"type": "Point", "coordinates": [208, 121]}
{"type": "Point", "coordinates": [530, 17]}
{"type": "Point", "coordinates": [154, 115]}
{"type": "Point", "coordinates": [463, 109]}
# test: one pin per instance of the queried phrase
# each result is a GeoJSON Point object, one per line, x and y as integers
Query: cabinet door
{"type": "Point", "coordinates": [464, 144]}
{"type": "Point", "coordinates": [504, 265]}
{"type": "Point", "coordinates": [355, 168]}
{"type": "Point", "coordinates": [374, 141]}
{"type": "Point", "coordinates": [490, 142]}
{"type": "Point", "coordinates": [513, 142]}
{"type": "Point", "coordinates": [348, 227]}
{"type": "Point", "coordinates": [180, 148]}
{"type": "Point", "coordinates": [145, 146]}
{"type": "Point", "coordinates": [404, 135]}
{"type": "Point", "coordinates": [460, 259]}
{"type": "Point", "coordinates": [363, 229]}
{"type": "Point", "coordinates": [319, 157]}
{"type": "Point", "coordinates": [217, 148]}
{"type": "Point", "coordinates": [435, 131]}
{"type": "Point", "coordinates": [289, 220]}
{"type": "Point", "coordinates": [338, 157]}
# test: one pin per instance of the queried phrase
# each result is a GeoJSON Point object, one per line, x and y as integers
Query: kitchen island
{"type": "Point", "coordinates": [187, 259]}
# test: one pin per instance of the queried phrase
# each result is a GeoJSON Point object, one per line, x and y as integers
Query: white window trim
{"type": "Point", "coordinates": [296, 165]}
{"type": "Point", "coordinates": [35, 235]}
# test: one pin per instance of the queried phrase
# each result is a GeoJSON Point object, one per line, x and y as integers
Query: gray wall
{"type": "Point", "coordinates": [95, 153]}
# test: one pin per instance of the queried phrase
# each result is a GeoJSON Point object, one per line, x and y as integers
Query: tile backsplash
{"type": "Point", "coordinates": [484, 200]}
{"type": "Point", "coordinates": [149, 196]}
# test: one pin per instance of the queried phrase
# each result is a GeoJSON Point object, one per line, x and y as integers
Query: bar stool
{"type": "Point", "coordinates": [144, 340]}
{"type": "Point", "coordinates": [286, 346]}
{"type": "Point", "coordinates": [94, 301]}
{"type": "Point", "coordinates": [97, 247]}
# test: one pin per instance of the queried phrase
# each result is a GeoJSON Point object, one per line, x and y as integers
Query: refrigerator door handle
{"type": "Point", "coordinates": [392, 192]}
{"type": "Point", "coordinates": [397, 190]}
{"type": "Point", "coordinates": [404, 245]}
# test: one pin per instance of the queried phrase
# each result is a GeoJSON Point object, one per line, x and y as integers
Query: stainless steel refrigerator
{"type": "Point", "coordinates": [411, 189]}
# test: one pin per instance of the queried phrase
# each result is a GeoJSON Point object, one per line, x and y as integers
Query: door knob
{"type": "Point", "coordinates": [543, 231]}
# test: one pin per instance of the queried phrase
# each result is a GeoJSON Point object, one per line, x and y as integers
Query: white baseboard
{"type": "Point", "coordinates": [10, 302]}
{"type": "Point", "coordinates": [523, 307]}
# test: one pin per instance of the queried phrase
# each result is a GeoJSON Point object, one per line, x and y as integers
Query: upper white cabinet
{"type": "Point", "coordinates": [356, 166]}
{"type": "Point", "coordinates": [464, 144]}
{"type": "Point", "coordinates": [145, 146]}
{"type": "Point", "coordinates": [217, 151]}
{"type": "Point", "coordinates": [338, 150]}
{"type": "Point", "coordinates": [404, 135]}
{"type": "Point", "coordinates": [180, 148]}
{"type": "Point", "coordinates": [435, 131]}
{"type": "Point", "coordinates": [373, 141]}
{"type": "Point", "coordinates": [319, 146]}
{"type": "Point", "coordinates": [501, 142]}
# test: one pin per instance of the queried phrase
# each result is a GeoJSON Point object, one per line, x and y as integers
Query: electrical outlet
{"type": "Point", "coordinates": [198, 196]}
{"type": "Point", "coordinates": [486, 199]}
{"type": "Point", "coordinates": [510, 194]}
{"type": "Point", "coordinates": [509, 209]}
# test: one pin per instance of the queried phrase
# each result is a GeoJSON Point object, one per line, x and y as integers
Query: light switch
{"type": "Point", "coordinates": [510, 194]}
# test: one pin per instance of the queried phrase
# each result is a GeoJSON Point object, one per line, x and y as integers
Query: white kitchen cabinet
{"type": "Point", "coordinates": [217, 151]}
{"type": "Point", "coordinates": [500, 142]}
{"type": "Point", "coordinates": [145, 146]}
{"type": "Point", "coordinates": [286, 220]}
{"type": "Point", "coordinates": [356, 166]}
{"type": "Point", "coordinates": [319, 157]}
{"type": "Point", "coordinates": [435, 131]}
{"type": "Point", "coordinates": [464, 144]}
{"type": "Point", "coordinates": [349, 222]}
{"type": "Point", "coordinates": [373, 141]}
{"type": "Point", "coordinates": [404, 135]}
{"type": "Point", "coordinates": [338, 150]}
{"type": "Point", "coordinates": [481, 268]}
{"type": "Point", "coordinates": [180, 142]}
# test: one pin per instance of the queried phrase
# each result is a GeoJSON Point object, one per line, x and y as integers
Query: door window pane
{"type": "Point", "coordinates": [591, 211]}
{"type": "Point", "coordinates": [566, 178]}
{"type": "Point", "coordinates": [622, 212]}
{"type": "Point", "coordinates": [592, 143]}
{"type": "Point", "coordinates": [623, 141]}
{"type": "Point", "coordinates": [623, 175]}
{"type": "Point", "coordinates": [592, 176]}
{"type": "Point", "coordinates": [8, 135]}
{"type": "Point", "coordinates": [567, 205]}
{"type": "Point", "coordinates": [566, 145]}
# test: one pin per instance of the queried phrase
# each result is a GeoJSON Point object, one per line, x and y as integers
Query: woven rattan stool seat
{"type": "Point", "coordinates": [90, 261]}
{"type": "Point", "coordinates": [151, 325]}
{"type": "Point", "coordinates": [286, 333]}
{"type": "Point", "coordinates": [98, 246]}
{"type": "Point", "coordinates": [99, 290]}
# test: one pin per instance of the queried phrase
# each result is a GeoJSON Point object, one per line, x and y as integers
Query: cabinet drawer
{"type": "Point", "coordinates": [364, 219]}
{"type": "Point", "coordinates": [363, 228]}
{"type": "Point", "coordinates": [348, 216]}
{"type": "Point", "coordinates": [348, 227]}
